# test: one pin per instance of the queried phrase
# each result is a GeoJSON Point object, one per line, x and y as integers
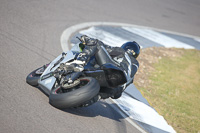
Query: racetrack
{"type": "Point", "coordinates": [30, 36]}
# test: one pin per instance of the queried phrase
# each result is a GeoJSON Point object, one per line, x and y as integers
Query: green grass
{"type": "Point", "coordinates": [175, 91]}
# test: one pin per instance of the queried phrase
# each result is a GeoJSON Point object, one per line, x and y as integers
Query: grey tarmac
{"type": "Point", "coordinates": [30, 37]}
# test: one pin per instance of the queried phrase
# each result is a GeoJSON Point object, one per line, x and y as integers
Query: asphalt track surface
{"type": "Point", "coordinates": [30, 36]}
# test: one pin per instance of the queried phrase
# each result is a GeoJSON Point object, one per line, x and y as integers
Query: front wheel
{"type": "Point", "coordinates": [34, 76]}
{"type": "Point", "coordinates": [87, 89]}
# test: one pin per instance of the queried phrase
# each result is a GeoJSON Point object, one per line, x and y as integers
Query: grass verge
{"type": "Point", "coordinates": [174, 89]}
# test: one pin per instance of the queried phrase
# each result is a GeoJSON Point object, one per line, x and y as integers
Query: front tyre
{"type": "Point", "coordinates": [75, 96]}
{"type": "Point", "coordinates": [33, 77]}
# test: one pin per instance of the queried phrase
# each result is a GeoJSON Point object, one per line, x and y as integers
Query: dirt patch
{"type": "Point", "coordinates": [147, 58]}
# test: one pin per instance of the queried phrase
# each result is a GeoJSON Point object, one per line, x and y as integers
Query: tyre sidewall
{"type": "Point", "coordinates": [75, 97]}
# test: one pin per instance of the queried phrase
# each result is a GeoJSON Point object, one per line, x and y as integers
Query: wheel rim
{"type": "Point", "coordinates": [82, 83]}
{"type": "Point", "coordinates": [39, 71]}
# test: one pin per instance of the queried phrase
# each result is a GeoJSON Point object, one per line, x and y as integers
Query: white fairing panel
{"type": "Point", "coordinates": [48, 83]}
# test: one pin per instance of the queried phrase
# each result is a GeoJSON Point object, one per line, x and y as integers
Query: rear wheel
{"type": "Point", "coordinates": [87, 89]}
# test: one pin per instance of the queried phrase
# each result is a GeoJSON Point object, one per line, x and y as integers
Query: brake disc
{"type": "Point", "coordinates": [66, 85]}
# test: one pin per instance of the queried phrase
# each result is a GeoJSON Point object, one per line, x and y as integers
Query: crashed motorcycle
{"type": "Point", "coordinates": [53, 78]}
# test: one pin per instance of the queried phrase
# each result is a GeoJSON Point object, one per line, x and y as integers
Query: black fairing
{"type": "Point", "coordinates": [108, 75]}
{"type": "Point", "coordinates": [102, 57]}
{"type": "Point", "coordinates": [114, 75]}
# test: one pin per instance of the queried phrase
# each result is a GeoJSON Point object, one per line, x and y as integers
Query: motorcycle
{"type": "Point", "coordinates": [53, 78]}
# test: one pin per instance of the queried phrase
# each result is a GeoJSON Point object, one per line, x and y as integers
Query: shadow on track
{"type": "Point", "coordinates": [100, 108]}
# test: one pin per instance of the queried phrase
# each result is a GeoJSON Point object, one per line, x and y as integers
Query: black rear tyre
{"type": "Point", "coordinates": [73, 97]}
